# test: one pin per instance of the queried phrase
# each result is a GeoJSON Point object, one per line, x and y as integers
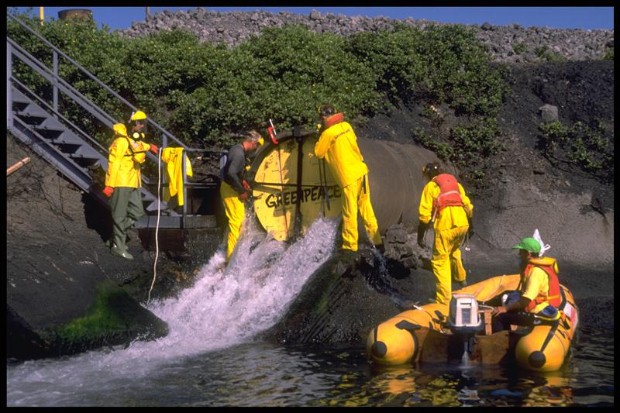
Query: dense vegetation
{"type": "Point", "coordinates": [204, 94]}
{"type": "Point", "coordinates": [578, 144]}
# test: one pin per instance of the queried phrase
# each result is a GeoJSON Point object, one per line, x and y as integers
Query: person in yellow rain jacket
{"type": "Point", "coordinates": [444, 205]}
{"type": "Point", "coordinates": [234, 189]}
{"type": "Point", "coordinates": [338, 145]}
{"type": "Point", "coordinates": [123, 179]}
{"type": "Point", "coordinates": [538, 295]}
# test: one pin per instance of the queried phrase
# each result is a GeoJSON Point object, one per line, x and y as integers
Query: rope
{"type": "Point", "coordinates": [272, 135]}
{"type": "Point", "coordinates": [148, 299]}
{"type": "Point", "coordinates": [282, 190]}
{"type": "Point", "coordinates": [323, 179]}
{"type": "Point", "coordinates": [268, 184]}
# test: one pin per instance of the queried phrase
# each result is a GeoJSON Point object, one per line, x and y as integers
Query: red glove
{"type": "Point", "coordinates": [108, 191]}
{"type": "Point", "coordinates": [244, 196]}
{"type": "Point", "coordinates": [246, 185]}
{"type": "Point", "coordinates": [154, 149]}
{"type": "Point", "coordinates": [272, 134]}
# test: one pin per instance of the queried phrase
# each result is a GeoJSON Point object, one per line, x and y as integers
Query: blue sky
{"type": "Point", "coordinates": [553, 17]}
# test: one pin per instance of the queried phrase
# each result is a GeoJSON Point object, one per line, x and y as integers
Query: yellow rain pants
{"type": "Point", "coordinates": [338, 145]}
{"type": "Point", "coordinates": [450, 227]}
{"type": "Point", "coordinates": [356, 198]}
{"type": "Point", "coordinates": [446, 261]}
{"type": "Point", "coordinates": [235, 212]}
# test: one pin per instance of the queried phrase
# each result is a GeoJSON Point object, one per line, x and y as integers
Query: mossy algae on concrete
{"type": "Point", "coordinates": [114, 318]}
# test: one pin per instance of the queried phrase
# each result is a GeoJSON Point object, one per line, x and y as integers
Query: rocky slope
{"type": "Point", "coordinates": [510, 44]}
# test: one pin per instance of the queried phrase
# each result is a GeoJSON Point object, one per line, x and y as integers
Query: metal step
{"type": "Point", "coordinates": [151, 203]}
{"type": "Point", "coordinates": [86, 152]}
{"type": "Point", "coordinates": [52, 124]}
{"type": "Point", "coordinates": [19, 98]}
{"type": "Point", "coordinates": [33, 114]}
{"type": "Point", "coordinates": [59, 136]}
{"type": "Point", "coordinates": [176, 221]}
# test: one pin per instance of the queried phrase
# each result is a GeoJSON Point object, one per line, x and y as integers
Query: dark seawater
{"type": "Point", "coordinates": [210, 358]}
{"type": "Point", "coordinates": [261, 374]}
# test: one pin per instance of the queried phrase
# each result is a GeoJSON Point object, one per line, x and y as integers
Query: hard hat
{"type": "Point", "coordinates": [138, 115]}
{"type": "Point", "coordinates": [529, 244]}
{"type": "Point", "coordinates": [255, 137]}
{"type": "Point", "coordinates": [431, 169]}
{"type": "Point", "coordinates": [327, 110]}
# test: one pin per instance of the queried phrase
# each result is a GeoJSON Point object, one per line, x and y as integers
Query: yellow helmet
{"type": "Point", "coordinates": [254, 136]}
{"type": "Point", "coordinates": [138, 115]}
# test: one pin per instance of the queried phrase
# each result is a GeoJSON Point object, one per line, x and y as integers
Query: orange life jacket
{"type": "Point", "coordinates": [334, 119]}
{"type": "Point", "coordinates": [550, 267]}
{"type": "Point", "coordinates": [449, 194]}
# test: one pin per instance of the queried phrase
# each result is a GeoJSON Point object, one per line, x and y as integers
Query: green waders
{"type": "Point", "coordinates": [127, 208]}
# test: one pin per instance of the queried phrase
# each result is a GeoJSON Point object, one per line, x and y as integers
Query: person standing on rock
{"type": "Point", "coordinates": [123, 179]}
{"type": "Point", "coordinates": [234, 189]}
{"type": "Point", "coordinates": [444, 205]}
{"type": "Point", "coordinates": [538, 295]}
{"type": "Point", "coordinates": [338, 145]}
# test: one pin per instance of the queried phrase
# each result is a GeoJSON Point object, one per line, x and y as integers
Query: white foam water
{"type": "Point", "coordinates": [226, 306]}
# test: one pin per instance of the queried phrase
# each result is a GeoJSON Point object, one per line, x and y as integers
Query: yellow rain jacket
{"type": "Point", "coordinates": [125, 158]}
{"type": "Point", "coordinates": [450, 216]}
{"type": "Point", "coordinates": [451, 226]}
{"type": "Point", "coordinates": [338, 145]}
{"type": "Point", "coordinates": [174, 169]}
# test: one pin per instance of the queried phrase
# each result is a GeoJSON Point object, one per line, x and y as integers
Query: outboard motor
{"type": "Point", "coordinates": [464, 320]}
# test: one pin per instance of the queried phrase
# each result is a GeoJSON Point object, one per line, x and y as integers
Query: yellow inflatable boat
{"type": "Point", "coordinates": [461, 331]}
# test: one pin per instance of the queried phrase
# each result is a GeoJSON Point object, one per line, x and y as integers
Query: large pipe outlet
{"type": "Point", "coordinates": [292, 188]}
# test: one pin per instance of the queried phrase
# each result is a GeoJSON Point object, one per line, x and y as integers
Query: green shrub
{"type": "Point", "coordinates": [579, 145]}
{"type": "Point", "coordinates": [204, 93]}
{"type": "Point", "coordinates": [443, 150]}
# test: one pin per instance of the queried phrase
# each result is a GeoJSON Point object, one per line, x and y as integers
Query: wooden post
{"type": "Point", "coordinates": [487, 316]}
{"type": "Point", "coordinates": [17, 165]}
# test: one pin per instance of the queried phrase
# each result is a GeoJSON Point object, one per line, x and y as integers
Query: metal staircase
{"type": "Point", "coordinates": [36, 118]}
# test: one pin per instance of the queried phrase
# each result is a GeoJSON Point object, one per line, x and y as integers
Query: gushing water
{"type": "Point", "coordinates": [226, 306]}
{"type": "Point", "coordinates": [465, 361]}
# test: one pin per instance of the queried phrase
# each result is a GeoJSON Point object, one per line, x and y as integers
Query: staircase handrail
{"type": "Point", "coordinates": [60, 84]}
{"type": "Point", "coordinates": [166, 134]}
